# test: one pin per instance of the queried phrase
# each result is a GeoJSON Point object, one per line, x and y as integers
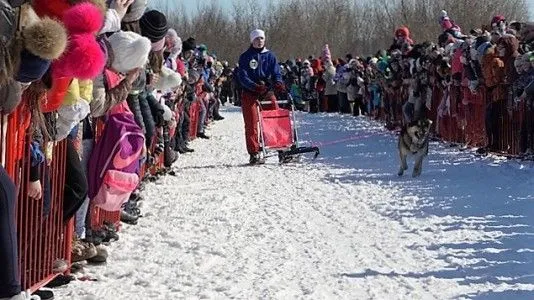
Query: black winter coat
{"type": "Point", "coordinates": [133, 104]}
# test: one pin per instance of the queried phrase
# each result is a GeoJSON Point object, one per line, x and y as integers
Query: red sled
{"type": "Point", "coordinates": [278, 131]}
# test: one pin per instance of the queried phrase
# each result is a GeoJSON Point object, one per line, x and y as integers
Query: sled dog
{"type": "Point", "coordinates": [413, 140]}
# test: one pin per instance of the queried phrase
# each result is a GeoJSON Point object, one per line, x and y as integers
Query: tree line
{"type": "Point", "coordinates": [299, 28]}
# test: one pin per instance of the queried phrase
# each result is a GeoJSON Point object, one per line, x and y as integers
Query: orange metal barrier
{"type": "Point", "coordinates": [43, 237]}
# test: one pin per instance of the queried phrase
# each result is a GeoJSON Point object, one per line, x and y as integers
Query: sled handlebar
{"type": "Point", "coordinates": [277, 101]}
{"type": "Point", "coordinates": [289, 100]}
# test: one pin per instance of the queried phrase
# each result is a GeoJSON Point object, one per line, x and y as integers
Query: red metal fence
{"type": "Point", "coordinates": [43, 237]}
{"type": "Point", "coordinates": [465, 120]}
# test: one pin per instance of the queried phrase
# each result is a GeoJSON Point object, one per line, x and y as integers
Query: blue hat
{"type": "Point", "coordinates": [31, 68]}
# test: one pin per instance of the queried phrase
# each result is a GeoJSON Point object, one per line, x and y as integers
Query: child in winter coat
{"type": "Point", "coordinates": [330, 86]}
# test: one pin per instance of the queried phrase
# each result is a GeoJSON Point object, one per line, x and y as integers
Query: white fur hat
{"type": "Point", "coordinates": [130, 50]}
{"type": "Point", "coordinates": [256, 34]}
{"type": "Point", "coordinates": [168, 79]}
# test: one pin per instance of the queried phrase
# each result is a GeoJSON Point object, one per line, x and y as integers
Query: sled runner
{"type": "Point", "coordinates": [278, 131]}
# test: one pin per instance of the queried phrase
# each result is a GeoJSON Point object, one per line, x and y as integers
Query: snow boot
{"type": "Point", "coordinates": [128, 218]}
{"type": "Point", "coordinates": [256, 159]}
{"type": "Point", "coordinates": [82, 251]}
{"type": "Point", "coordinates": [44, 294]}
{"type": "Point", "coordinates": [203, 136]}
{"type": "Point", "coordinates": [60, 280]}
{"type": "Point", "coordinates": [60, 266]}
{"type": "Point", "coordinates": [101, 255]}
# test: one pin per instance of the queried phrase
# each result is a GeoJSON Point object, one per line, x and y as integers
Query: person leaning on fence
{"type": "Point", "coordinates": [258, 73]}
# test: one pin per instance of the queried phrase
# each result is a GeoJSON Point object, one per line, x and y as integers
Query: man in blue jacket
{"type": "Point", "coordinates": [258, 73]}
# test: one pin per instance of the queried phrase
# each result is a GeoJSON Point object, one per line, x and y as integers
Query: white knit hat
{"type": "Point", "coordinates": [130, 50]}
{"type": "Point", "coordinates": [175, 43]}
{"type": "Point", "coordinates": [256, 34]}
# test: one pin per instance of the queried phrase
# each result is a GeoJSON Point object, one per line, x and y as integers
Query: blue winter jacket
{"type": "Point", "coordinates": [258, 65]}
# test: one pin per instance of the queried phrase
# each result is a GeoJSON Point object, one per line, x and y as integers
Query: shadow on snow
{"type": "Point", "coordinates": [464, 192]}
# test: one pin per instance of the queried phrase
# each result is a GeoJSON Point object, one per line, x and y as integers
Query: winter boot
{"type": "Point", "coordinates": [128, 218]}
{"type": "Point", "coordinates": [60, 266]}
{"type": "Point", "coordinates": [44, 294]}
{"type": "Point", "coordinates": [60, 280]}
{"type": "Point", "coordinates": [256, 159]}
{"type": "Point", "coordinates": [203, 136]}
{"type": "Point", "coordinates": [101, 255]}
{"type": "Point", "coordinates": [82, 251]}
{"type": "Point", "coordinates": [110, 232]}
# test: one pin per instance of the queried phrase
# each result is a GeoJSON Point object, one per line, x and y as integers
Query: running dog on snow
{"type": "Point", "coordinates": [413, 140]}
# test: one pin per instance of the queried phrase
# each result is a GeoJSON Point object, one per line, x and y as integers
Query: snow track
{"type": "Point", "coordinates": [342, 227]}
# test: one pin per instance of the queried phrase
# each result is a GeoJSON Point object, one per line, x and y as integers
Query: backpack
{"type": "Point", "coordinates": [114, 165]}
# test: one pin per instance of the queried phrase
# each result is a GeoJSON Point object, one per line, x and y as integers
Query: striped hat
{"type": "Point", "coordinates": [154, 25]}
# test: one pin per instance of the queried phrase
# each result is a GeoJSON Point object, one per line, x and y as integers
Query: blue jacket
{"type": "Point", "coordinates": [256, 66]}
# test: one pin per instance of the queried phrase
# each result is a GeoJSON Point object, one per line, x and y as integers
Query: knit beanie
{"type": "Point", "coordinates": [130, 50]}
{"type": "Point", "coordinates": [256, 34]}
{"type": "Point", "coordinates": [32, 67]}
{"type": "Point", "coordinates": [173, 43]}
{"type": "Point", "coordinates": [153, 25]}
{"type": "Point", "coordinates": [497, 19]}
{"type": "Point", "coordinates": [189, 44]}
{"type": "Point", "coordinates": [135, 11]}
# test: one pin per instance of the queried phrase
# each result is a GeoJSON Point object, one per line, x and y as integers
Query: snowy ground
{"type": "Point", "coordinates": [342, 227]}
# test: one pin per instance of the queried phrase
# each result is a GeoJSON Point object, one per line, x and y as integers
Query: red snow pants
{"type": "Point", "coordinates": [249, 107]}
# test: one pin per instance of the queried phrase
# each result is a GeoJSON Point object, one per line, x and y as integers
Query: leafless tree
{"type": "Point", "coordinates": [298, 28]}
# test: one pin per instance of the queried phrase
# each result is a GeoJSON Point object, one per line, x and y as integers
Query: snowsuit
{"type": "Point", "coordinates": [255, 66]}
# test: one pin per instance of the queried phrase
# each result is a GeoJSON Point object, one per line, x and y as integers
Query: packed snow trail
{"type": "Point", "coordinates": [341, 227]}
